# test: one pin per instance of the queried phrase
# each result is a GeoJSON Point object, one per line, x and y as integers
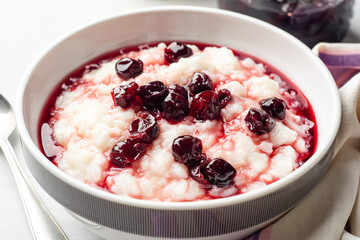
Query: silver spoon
{"type": "Point", "coordinates": [42, 223]}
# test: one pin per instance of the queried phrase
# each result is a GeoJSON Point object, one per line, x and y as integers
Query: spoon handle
{"type": "Point", "coordinates": [42, 223]}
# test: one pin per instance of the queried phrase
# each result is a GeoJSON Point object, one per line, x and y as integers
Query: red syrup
{"type": "Point", "coordinates": [49, 147]}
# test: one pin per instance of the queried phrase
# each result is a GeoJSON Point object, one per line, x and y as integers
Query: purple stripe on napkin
{"type": "Point", "coordinates": [341, 76]}
{"type": "Point", "coordinates": [343, 60]}
{"type": "Point", "coordinates": [340, 60]}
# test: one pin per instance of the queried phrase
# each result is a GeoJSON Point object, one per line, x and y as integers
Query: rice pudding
{"type": "Point", "coordinates": [178, 122]}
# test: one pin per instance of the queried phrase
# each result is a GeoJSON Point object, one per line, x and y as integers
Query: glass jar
{"type": "Point", "coordinates": [311, 21]}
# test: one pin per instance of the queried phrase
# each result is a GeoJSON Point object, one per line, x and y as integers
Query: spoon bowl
{"type": "Point", "coordinates": [42, 224]}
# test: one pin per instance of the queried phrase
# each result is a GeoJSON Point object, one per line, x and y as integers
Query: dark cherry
{"type": "Point", "coordinates": [205, 106]}
{"type": "Point", "coordinates": [195, 169]}
{"type": "Point", "coordinates": [195, 173]}
{"type": "Point", "coordinates": [219, 172]}
{"type": "Point", "coordinates": [125, 94]}
{"type": "Point", "coordinates": [275, 107]}
{"type": "Point", "coordinates": [175, 107]}
{"type": "Point", "coordinates": [176, 88]}
{"type": "Point", "coordinates": [199, 82]}
{"type": "Point", "coordinates": [153, 94]}
{"type": "Point", "coordinates": [198, 161]}
{"type": "Point", "coordinates": [186, 149]}
{"type": "Point", "coordinates": [124, 153]}
{"type": "Point", "coordinates": [145, 129]}
{"type": "Point", "coordinates": [127, 68]}
{"type": "Point", "coordinates": [259, 122]}
{"type": "Point", "coordinates": [175, 51]}
{"type": "Point", "coordinates": [224, 96]}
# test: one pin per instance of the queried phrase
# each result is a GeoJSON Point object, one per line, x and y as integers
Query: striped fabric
{"type": "Point", "coordinates": [342, 59]}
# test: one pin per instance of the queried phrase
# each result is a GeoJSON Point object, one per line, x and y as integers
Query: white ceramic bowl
{"type": "Point", "coordinates": [116, 217]}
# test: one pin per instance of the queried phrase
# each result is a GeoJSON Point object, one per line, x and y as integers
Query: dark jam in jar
{"type": "Point", "coordinates": [311, 21]}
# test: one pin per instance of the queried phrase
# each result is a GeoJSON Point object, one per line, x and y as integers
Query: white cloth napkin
{"type": "Point", "coordinates": [332, 209]}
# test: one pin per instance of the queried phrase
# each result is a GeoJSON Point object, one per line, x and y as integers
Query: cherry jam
{"type": "Point", "coordinates": [312, 21]}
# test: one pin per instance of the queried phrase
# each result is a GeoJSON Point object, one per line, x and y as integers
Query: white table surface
{"type": "Point", "coordinates": [26, 28]}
